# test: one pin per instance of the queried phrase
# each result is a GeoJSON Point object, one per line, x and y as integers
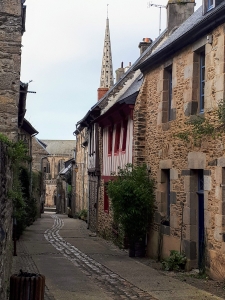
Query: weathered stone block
{"type": "Point", "coordinates": [173, 174]}
{"type": "Point", "coordinates": [221, 162]}
{"type": "Point", "coordinates": [207, 172]}
{"type": "Point", "coordinates": [157, 217]}
{"type": "Point", "coordinates": [173, 197]}
{"type": "Point", "coordinates": [189, 217]}
{"type": "Point", "coordinates": [173, 114]}
{"type": "Point", "coordinates": [196, 160]}
{"type": "Point", "coordinates": [188, 70]}
{"type": "Point", "coordinates": [218, 234]}
{"type": "Point", "coordinates": [161, 176]}
{"type": "Point", "coordinates": [207, 220]}
{"type": "Point", "coordinates": [165, 229]}
{"type": "Point", "coordinates": [189, 248]}
{"type": "Point", "coordinates": [191, 232]}
{"type": "Point", "coordinates": [190, 108]}
{"type": "Point", "coordinates": [185, 172]}
{"type": "Point", "coordinates": [165, 164]}
{"type": "Point", "coordinates": [192, 200]}
{"type": "Point", "coordinates": [207, 183]}
{"type": "Point", "coordinates": [173, 221]}
{"type": "Point", "coordinates": [187, 184]}
{"type": "Point", "coordinates": [212, 162]}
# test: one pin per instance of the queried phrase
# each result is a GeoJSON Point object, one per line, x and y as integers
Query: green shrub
{"type": "Point", "coordinates": [83, 214]}
{"type": "Point", "coordinates": [175, 262]}
{"type": "Point", "coordinates": [132, 196]}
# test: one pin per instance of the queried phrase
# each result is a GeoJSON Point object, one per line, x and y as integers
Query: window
{"type": "Point", "coordinates": [166, 191]}
{"type": "Point", "coordinates": [117, 139]}
{"type": "Point", "coordinates": [167, 112]}
{"type": "Point", "coordinates": [170, 82]}
{"type": "Point", "coordinates": [124, 135]}
{"type": "Point", "coordinates": [202, 80]}
{"type": "Point", "coordinates": [110, 136]}
{"type": "Point", "coordinates": [210, 4]}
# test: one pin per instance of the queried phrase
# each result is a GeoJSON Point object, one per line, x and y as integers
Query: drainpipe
{"type": "Point", "coordinates": [31, 179]}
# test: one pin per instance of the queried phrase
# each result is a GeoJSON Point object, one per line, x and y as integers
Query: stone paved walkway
{"type": "Point", "coordinates": [114, 285]}
{"type": "Point", "coordinates": [79, 266]}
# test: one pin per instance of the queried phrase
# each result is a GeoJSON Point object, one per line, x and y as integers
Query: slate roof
{"type": "Point", "coordinates": [132, 90]}
{"type": "Point", "coordinates": [28, 127]}
{"type": "Point", "coordinates": [187, 32]}
{"type": "Point", "coordinates": [99, 104]}
{"type": "Point", "coordinates": [59, 147]}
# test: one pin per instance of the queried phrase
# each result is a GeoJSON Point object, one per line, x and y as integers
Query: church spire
{"type": "Point", "coordinates": [106, 79]}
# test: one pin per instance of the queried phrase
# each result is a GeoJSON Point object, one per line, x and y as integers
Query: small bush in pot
{"type": "Point", "coordinates": [132, 196]}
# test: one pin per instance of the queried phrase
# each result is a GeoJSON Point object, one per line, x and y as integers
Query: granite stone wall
{"type": "Point", "coordinates": [81, 188]}
{"type": "Point", "coordinates": [10, 61]}
{"type": "Point", "coordinates": [6, 211]}
{"type": "Point", "coordinates": [156, 144]}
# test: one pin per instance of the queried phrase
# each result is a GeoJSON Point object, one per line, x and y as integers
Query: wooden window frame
{"type": "Point", "coordinates": [202, 81]}
{"type": "Point", "coordinates": [167, 112]}
{"type": "Point", "coordinates": [124, 142]}
{"type": "Point", "coordinates": [117, 138]}
{"type": "Point", "coordinates": [110, 140]}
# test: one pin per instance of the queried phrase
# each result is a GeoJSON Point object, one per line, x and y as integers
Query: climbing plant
{"type": "Point", "coordinates": [24, 205]}
{"type": "Point", "coordinates": [198, 126]}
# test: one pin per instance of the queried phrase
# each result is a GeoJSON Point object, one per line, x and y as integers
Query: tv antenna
{"type": "Point", "coordinates": [160, 7]}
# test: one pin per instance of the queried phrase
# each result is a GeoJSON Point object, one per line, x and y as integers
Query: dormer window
{"type": "Point", "coordinates": [210, 4]}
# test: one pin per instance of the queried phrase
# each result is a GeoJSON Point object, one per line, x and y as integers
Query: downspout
{"type": "Point", "coordinates": [31, 179]}
{"type": "Point", "coordinates": [42, 178]}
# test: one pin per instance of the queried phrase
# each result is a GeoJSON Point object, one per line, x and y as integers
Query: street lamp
{"type": "Point", "coordinates": [76, 166]}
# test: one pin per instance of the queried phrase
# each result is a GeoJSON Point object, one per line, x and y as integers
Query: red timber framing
{"type": "Point", "coordinates": [117, 133]}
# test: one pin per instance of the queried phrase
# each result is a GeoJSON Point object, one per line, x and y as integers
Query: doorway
{"type": "Point", "coordinates": [201, 221]}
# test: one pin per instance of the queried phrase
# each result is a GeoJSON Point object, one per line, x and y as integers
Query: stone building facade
{"type": "Point", "coordinates": [59, 151]}
{"type": "Point", "coordinates": [184, 80]}
{"type": "Point", "coordinates": [12, 26]}
{"type": "Point", "coordinates": [80, 172]}
{"type": "Point", "coordinates": [11, 30]}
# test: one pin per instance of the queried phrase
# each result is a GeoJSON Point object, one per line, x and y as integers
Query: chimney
{"type": "Point", "coordinates": [127, 67]}
{"type": "Point", "coordinates": [101, 92]}
{"type": "Point", "coordinates": [119, 72]}
{"type": "Point", "coordinates": [144, 45]}
{"type": "Point", "coordinates": [178, 11]}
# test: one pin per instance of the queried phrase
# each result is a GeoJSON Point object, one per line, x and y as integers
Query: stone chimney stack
{"type": "Point", "coordinates": [119, 72]}
{"type": "Point", "coordinates": [178, 11]}
{"type": "Point", "coordinates": [144, 45]}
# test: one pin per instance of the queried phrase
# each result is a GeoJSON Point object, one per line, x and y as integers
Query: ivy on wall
{"type": "Point", "coordinates": [24, 204]}
{"type": "Point", "coordinates": [198, 126]}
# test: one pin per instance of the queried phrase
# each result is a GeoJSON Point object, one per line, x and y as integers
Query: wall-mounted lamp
{"type": "Point", "coordinates": [76, 168]}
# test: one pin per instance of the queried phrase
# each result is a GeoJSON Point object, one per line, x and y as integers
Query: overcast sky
{"type": "Point", "coordinates": [62, 53]}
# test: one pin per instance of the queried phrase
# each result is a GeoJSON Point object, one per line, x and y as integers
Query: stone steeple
{"type": "Point", "coordinates": [106, 79]}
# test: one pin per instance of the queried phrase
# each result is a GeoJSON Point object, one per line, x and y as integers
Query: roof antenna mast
{"type": "Point", "coordinates": [159, 6]}
{"type": "Point", "coordinates": [107, 11]}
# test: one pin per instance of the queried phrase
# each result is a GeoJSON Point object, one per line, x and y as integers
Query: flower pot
{"type": "Point", "coordinates": [131, 249]}
{"type": "Point", "coordinates": [140, 249]}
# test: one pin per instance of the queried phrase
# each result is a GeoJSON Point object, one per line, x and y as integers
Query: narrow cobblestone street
{"type": "Point", "coordinates": [80, 266]}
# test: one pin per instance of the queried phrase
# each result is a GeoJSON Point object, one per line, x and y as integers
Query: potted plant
{"type": "Point", "coordinates": [83, 215]}
{"type": "Point", "coordinates": [132, 196]}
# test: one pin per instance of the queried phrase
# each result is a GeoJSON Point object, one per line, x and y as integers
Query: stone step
{"type": "Point", "coordinates": [50, 209]}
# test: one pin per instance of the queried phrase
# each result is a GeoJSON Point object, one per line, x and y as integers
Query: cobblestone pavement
{"type": "Point", "coordinates": [112, 284]}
